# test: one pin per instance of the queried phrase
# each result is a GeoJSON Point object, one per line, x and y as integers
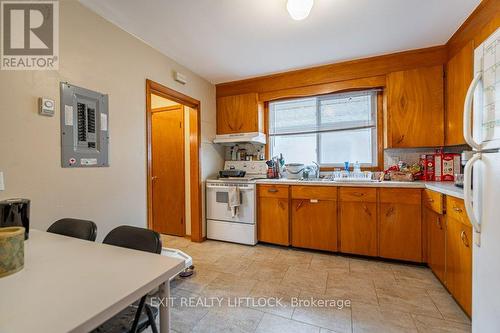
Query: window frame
{"type": "Point", "coordinates": [376, 128]}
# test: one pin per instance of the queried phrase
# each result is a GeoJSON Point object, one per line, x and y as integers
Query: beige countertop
{"type": "Point", "coordinates": [447, 188]}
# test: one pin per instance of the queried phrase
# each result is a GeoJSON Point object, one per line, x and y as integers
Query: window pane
{"type": "Point", "coordinates": [346, 111]}
{"type": "Point", "coordinates": [342, 146]}
{"type": "Point", "coordinates": [295, 148]}
{"type": "Point", "coordinates": [293, 116]}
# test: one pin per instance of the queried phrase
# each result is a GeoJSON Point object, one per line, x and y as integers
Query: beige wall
{"type": "Point", "coordinates": [96, 55]}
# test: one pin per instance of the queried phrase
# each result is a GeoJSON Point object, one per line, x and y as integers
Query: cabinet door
{"type": "Point", "coordinates": [415, 108]}
{"type": "Point", "coordinates": [358, 221]}
{"type": "Point", "coordinates": [459, 72]}
{"type": "Point", "coordinates": [272, 223]}
{"type": "Point", "coordinates": [459, 262]}
{"type": "Point", "coordinates": [314, 224]}
{"type": "Point", "coordinates": [435, 242]}
{"type": "Point", "coordinates": [239, 114]}
{"type": "Point", "coordinates": [400, 226]}
{"type": "Point", "coordinates": [358, 228]}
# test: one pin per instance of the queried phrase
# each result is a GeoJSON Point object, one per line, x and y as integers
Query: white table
{"type": "Point", "coordinates": [71, 285]}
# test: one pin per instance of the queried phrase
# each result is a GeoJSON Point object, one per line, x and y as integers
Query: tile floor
{"type": "Point", "coordinates": [385, 297]}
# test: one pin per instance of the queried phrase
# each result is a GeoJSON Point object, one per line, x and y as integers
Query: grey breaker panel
{"type": "Point", "coordinates": [84, 127]}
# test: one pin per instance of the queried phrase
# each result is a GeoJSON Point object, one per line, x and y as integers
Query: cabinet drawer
{"type": "Point", "coordinates": [273, 191]}
{"type": "Point", "coordinates": [358, 194]}
{"type": "Point", "coordinates": [433, 201]}
{"type": "Point", "coordinates": [455, 209]}
{"type": "Point", "coordinates": [398, 195]}
{"type": "Point", "coordinates": [314, 192]}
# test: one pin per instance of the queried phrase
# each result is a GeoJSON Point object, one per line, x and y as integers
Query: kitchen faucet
{"type": "Point", "coordinates": [316, 171]}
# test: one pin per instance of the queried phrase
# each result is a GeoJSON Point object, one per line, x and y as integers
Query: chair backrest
{"type": "Point", "coordinates": [75, 228]}
{"type": "Point", "coordinates": [134, 238]}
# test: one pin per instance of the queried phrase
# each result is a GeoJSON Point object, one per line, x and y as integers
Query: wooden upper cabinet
{"type": "Point", "coordinates": [459, 72]}
{"type": "Point", "coordinates": [239, 114]}
{"type": "Point", "coordinates": [400, 224]}
{"type": "Point", "coordinates": [415, 108]}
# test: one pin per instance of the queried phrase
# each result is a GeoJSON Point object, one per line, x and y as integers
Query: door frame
{"type": "Point", "coordinates": [194, 151]}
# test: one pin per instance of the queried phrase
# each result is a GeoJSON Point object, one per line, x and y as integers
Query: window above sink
{"type": "Point", "coordinates": [329, 129]}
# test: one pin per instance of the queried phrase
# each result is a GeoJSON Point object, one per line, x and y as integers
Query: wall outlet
{"type": "Point", "coordinates": [2, 184]}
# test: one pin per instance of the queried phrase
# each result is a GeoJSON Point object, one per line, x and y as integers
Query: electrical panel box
{"type": "Point", "coordinates": [84, 127]}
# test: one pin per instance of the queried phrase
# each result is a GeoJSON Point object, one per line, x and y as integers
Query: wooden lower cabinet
{"type": "Point", "coordinates": [314, 224]}
{"type": "Point", "coordinates": [400, 224]}
{"type": "Point", "coordinates": [459, 257]}
{"type": "Point", "coordinates": [314, 217]}
{"type": "Point", "coordinates": [436, 246]}
{"type": "Point", "coordinates": [272, 215]}
{"type": "Point", "coordinates": [358, 221]}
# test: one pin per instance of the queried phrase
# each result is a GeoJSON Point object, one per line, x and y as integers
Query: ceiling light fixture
{"type": "Point", "coordinates": [299, 9]}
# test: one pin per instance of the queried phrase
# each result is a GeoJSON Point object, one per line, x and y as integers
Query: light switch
{"type": "Point", "coordinates": [2, 184]}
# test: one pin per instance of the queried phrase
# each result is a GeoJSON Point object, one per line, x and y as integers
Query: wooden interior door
{"type": "Point", "coordinates": [167, 148]}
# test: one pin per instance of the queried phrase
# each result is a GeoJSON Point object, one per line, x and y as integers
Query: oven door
{"type": "Point", "coordinates": [217, 203]}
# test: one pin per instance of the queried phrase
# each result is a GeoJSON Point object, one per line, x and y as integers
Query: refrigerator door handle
{"type": "Point", "coordinates": [468, 112]}
{"type": "Point", "coordinates": [468, 192]}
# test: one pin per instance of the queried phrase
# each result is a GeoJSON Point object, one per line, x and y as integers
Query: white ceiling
{"type": "Point", "coordinates": [225, 40]}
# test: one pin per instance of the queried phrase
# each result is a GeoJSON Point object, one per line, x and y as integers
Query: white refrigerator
{"type": "Point", "coordinates": [482, 183]}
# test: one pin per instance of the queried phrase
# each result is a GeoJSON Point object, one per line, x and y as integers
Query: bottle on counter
{"type": "Point", "coordinates": [234, 152]}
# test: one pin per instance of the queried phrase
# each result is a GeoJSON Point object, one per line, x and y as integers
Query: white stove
{"type": "Point", "coordinates": [221, 224]}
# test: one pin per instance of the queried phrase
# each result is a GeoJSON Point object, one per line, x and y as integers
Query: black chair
{"type": "Point", "coordinates": [82, 229]}
{"type": "Point", "coordinates": [132, 319]}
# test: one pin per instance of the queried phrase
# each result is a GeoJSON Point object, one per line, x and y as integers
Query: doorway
{"type": "Point", "coordinates": [173, 144]}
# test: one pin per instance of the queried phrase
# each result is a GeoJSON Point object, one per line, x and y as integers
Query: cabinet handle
{"type": "Point", "coordinates": [464, 239]}
{"type": "Point", "coordinates": [401, 138]}
{"type": "Point", "coordinates": [367, 211]}
{"type": "Point", "coordinates": [299, 204]}
{"type": "Point", "coordinates": [389, 212]}
{"type": "Point", "coordinates": [357, 194]}
{"type": "Point", "coordinates": [430, 200]}
{"type": "Point", "coordinates": [272, 190]}
{"type": "Point", "coordinates": [458, 210]}
{"type": "Point", "coordinates": [280, 204]}
{"type": "Point", "coordinates": [314, 201]}
{"type": "Point", "coordinates": [438, 222]}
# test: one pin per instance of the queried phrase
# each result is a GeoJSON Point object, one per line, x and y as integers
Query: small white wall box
{"type": "Point", "coordinates": [46, 107]}
{"type": "Point", "coordinates": [179, 77]}
{"type": "Point", "coordinates": [84, 127]}
{"type": "Point", "coordinates": [2, 184]}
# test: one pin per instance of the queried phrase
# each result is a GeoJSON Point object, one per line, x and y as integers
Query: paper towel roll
{"type": "Point", "coordinates": [11, 250]}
